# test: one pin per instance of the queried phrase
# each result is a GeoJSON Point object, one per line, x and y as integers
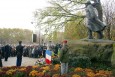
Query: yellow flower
{"type": "Point", "coordinates": [75, 75]}
{"type": "Point", "coordinates": [44, 71]}
{"type": "Point", "coordinates": [56, 75]}
{"type": "Point", "coordinates": [10, 72]}
{"type": "Point", "coordinates": [90, 74]}
{"type": "Point", "coordinates": [100, 75]}
{"type": "Point", "coordinates": [101, 71]}
{"type": "Point", "coordinates": [104, 73]}
{"type": "Point", "coordinates": [78, 69]}
{"type": "Point", "coordinates": [35, 66]}
{"type": "Point", "coordinates": [40, 74]}
{"type": "Point", "coordinates": [56, 67]}
{"type": "Point", "coordinates": [22, 69]}
{"type": "Point", "coordinates": [33, 73]}
{"type": "Point", "coordinates": [88, 70]}
{"type": "Point", "coordinates": [108, 72]}
{"type": "Point", "coordinates": [46, 68]}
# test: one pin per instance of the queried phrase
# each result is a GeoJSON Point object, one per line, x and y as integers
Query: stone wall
{"type": "Point", "coordinates": [100, 50]}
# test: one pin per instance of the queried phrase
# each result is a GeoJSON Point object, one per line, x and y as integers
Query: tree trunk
{"type": "Point", "coordinates": [108, 32]}
{"type": "Point", "coordinates": [100, 16]}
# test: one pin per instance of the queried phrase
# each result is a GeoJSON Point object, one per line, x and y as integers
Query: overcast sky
{"type": "Point", "coordinates": [19, 13]}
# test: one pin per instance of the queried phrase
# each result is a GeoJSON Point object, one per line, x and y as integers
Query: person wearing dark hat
{"type": "Point", "coordinates": [94, 24]}
{"type": "Point", "coordinates": [0, 57]}
{"type": "Point", "coordinates": [19, 50]}
{"type": "Point", "coordinates": [64, 58]}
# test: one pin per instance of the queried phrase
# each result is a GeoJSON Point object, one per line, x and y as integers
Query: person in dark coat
{"type": "Point", "coordinates": [7, 52]}
{"type": "Point", "coordinates": [3, 51]}
{"type": "Point", "coordinates": [0, 57]}
{"type": "Point", "coordinates": [36, 52]}
{"type": "Point", "coordinates": [40, 51]}
{"type": "Point", "coordinates": [56, 49]}
{"type": "Point", "coordinates": [44, 51]}
{"type": "Point", "coordinates": [19, 50]}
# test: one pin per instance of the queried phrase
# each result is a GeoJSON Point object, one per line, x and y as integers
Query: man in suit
{"type": "Point", "coordinates": [7, 51]}
{"type": "Point", "coordinates": [19, 50]}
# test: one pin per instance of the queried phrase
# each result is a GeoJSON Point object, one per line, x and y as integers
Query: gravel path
{"type": "Point", "coordinates": [26, 61]}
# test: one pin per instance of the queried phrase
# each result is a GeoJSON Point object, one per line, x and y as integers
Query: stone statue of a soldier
{"type": "Point", "coordinates": [94, 24]}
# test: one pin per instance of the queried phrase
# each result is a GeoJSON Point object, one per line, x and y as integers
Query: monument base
{"type": "Point", "coordinates": [98, 49]}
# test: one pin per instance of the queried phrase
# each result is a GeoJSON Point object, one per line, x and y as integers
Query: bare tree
{"type": "Point", "coordinates": [109, 13]}
{"type": "Point", "coordinates": [63, 11]}
{"type": "Point", "coordinates": [59, 13]}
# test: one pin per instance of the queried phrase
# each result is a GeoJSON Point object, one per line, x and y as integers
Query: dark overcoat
{"type": "Point", "coordinates": [19, 50]}
{"type": "Point", "coordinates": [93, 22]}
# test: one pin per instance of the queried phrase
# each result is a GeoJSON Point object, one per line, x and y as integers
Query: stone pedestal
{"type": "Point", "coordinates": [98, 49]}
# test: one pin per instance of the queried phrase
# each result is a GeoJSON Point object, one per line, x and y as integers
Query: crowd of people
{"type": "Point", "coordinates": [33, 51]}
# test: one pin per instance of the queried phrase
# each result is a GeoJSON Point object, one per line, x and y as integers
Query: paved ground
{"type": "Point", "coordinates": [26, 61]}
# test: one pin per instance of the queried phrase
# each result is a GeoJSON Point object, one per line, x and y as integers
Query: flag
{"type": "Point", "coordinates": [48, 57]}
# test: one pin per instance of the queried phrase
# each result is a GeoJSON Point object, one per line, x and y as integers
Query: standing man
{"type": "Point", "coordinates": [7, 51]}
{"type": "Point", "coordinates": [64, 58]}
{"type": "Point", "coordinates": [56, 49]}
{"type": "Point", "coordinates": [0, 57]}
{"type": "Point", "coordinates": [19, 50]}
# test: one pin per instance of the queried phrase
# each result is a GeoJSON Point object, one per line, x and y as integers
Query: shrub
{"type": "Point", "coordinates": [80, 61]}
{"type": "Point", "coordinates": [55, 61]}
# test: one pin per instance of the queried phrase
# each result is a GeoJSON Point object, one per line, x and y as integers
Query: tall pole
{"type": "Point", "coordinates": [39, 37]}
{"type": "Point", "coordinates": [39, 34]}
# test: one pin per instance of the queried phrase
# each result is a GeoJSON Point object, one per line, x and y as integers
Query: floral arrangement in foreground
{"type": "Point", "coordinates": [51, 71]}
